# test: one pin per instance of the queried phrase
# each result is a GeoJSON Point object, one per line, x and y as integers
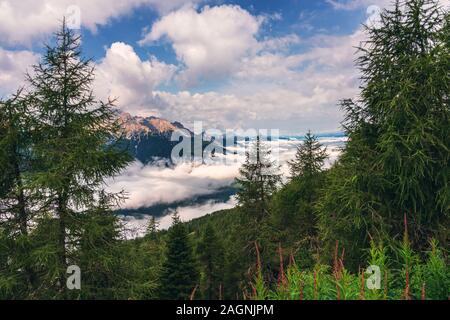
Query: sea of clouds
{"type": "Point", "coordinates": [149, 185]}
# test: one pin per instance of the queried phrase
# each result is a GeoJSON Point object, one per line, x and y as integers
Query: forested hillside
{"type": "Point", "coordinates": [385, 203]}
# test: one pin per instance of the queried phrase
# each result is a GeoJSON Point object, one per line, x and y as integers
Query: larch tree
{"type": "Point", "coordinates": [397, 157]}
{"type": "Point", "coordinates": [17, 203]}
{"type": "Point", "coordinates": [77, 140]}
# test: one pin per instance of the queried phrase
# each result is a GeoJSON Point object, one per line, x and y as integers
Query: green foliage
{"type": "Point", "coordinates": [179, 276]}
{"type": "Point", "coordinates": [432, 279]}
{"type": "Point", "coordinates": [309, 158]}
{"type": "Point", "coordinates": [397, 156]}
{"type": "Point", "coordinates": [294, 216]}
{"type": "Point", "coordinates": [429, 280]}
{"type": "Point", "coordinates": [211, 255]}
{"type": "Point", "coordinates": [382, 201]}
{"type": "Point", "coordinates": [259, 179]}
{"type": "Point", "coordinates": [378, 257]}
{"type": "Point", "coordinates": [58, 147]}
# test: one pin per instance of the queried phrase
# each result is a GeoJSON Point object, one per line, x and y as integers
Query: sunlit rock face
{"type": "Point", "coordinates": [136, 126]}
{"type": "Point", "coordinates": [148, 139]}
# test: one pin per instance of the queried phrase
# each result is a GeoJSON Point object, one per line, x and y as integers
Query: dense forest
{"type": "Point", "coordinates": [384, 203]}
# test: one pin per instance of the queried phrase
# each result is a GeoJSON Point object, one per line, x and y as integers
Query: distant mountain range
{"type": "Point", "coordinates": [136, 127]}
{"type": "Point", "coordinates": [148, 139]}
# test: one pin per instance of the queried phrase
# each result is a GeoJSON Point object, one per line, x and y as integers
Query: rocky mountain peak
{"type": "Point", "coordinates": [137, 126]}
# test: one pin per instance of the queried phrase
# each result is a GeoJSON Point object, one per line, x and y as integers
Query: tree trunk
{"type": "Point", "coordinates": [22, 216]}
{"type": "Point", "coordinates": [62, 211]}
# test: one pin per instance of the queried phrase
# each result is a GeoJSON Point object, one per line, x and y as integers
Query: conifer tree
{"type": "Point", "coordinates": [258, 180]}
{"type": "Point", "coordinates": [14, 140]}
{"type": "Point", "coordinates": [397, 157]}
{"type": "Point", "coordinates": [211, 255]}
{"type": "Point", "coordinates": [152, 228]}
{"type": "Point", "coordinates": [77, 142]}
{"type": "Point", "coordinates": [309, 157]}
{"type": "Point", "coordinates": [294, 216]}
{"type": "Point", "coordinates": [179, 275]}
{"type": "Point", "coordinates": [17, 202]}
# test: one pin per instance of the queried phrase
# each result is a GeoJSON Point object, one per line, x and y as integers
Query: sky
{"type": "Point", "coordinates": [230, 64]}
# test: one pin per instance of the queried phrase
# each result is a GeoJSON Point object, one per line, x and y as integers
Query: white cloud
{"type": "Point", "coordinates": [294, 92]}
{"type": "Point", "coordinates": [278, 44]}
{"type": "Point", "coordinates": [150, 185]}
{"type": "Point", "coordinates": [193, 212]}
{"type": "Point", "coordinates": [22, 21]}
{"type": "Point", "coordinates": [210, 43]}
{"type": "Point", "coordinates": [357, 4]}
{"type": "Point", "coordinates": [137, 226]}
{"type": "Point", "coordinates": [268, 85]}
{"type": "Point", "coordinates": [13, 66]}
{"type": "Point", "coordinates": [122, 74]}
{"type": "Point", "coordinates": [147, 185]}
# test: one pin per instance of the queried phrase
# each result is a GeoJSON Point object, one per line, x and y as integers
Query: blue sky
{"type": "Point", "coordinates": [304, 18]}
{"type": "Point", "coordinates": [231, 64]}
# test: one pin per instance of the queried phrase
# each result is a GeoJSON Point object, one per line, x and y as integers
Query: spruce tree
{"type": "Point", "coordinates": [294, 217]}
{"type": "Point", "coordinates": [211, 255]}
{"type": "Point", "coordinates": [179, 275]}
{"type": "Point", "coordinates": [152, 229]}
{"type": "Point", "coordinates": [309, 157]}
{"type": "Point", "coordinates": [77, 142]}
{"type": "Point", "coordinates": [258, 180]}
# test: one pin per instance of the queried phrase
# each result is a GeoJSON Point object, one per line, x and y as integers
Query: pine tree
{"type": "Point", "coordinates": [258, 180]}
{"type": "Point", "coordinates": [211, 255]}
{"type": "Point", "coordinates": [179, 275]}
{"type": "Point", "coordinates": [309, 157]}
{"type": "Point", "coordinates": [78, 135]}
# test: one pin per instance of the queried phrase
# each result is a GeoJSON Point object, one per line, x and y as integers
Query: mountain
{"type": "Point", "coordinates": [148, 139]}
{"type": "Point", "coordinates": [136, 127]}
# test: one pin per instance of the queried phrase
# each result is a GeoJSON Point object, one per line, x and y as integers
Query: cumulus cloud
{"type": "Point", "coordinates": [357, 4]}
{"type": "Point", "coordinates": [293, 92]}
{"type": "Point", "coordinates": [13, 66]}
{"type": "Point", "coordinates": [268, 85]}
{"type": "Point", "coordinates": [123, 75]}
{"type": "Point", "coordinates": [286, 109]}
{"type": "Point", "coordinates": [211, 42]}
{"type": "Point", "coordinates": [40, 17]}
{"type": "Point", "coordinates": [269, 88]}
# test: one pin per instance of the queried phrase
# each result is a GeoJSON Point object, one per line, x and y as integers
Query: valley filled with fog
{"type": "Point", "coordinates": [195, 189]}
